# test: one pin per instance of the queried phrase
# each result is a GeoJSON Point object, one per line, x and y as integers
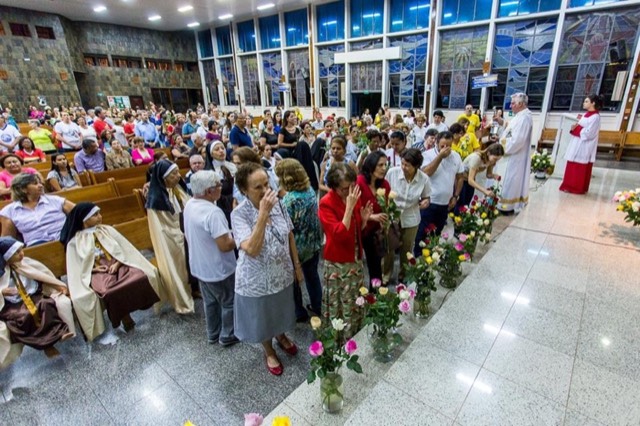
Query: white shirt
{"type": "Point", "coordinates": [203, 223]}
{"type": "Point", "coordinates": [439, 127]}
{"type": "Point", "coordinates": [418, 134]}
{"type": "Point", "coordinates": [409, 194]}
{"type": "Point", "coordinates": [70, 133]}
{"type": "Point", "coordinates": [394, 158]}
{"type": "Point", "coordinates": [7, 135]}
{"type": "Point", "coordinates": [88, 133]}
{"type": "Point", "coordinates": [443, 179]}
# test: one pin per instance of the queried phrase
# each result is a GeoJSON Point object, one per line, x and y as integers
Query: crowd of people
{"type": "Point", "coordinates": [258, 210]}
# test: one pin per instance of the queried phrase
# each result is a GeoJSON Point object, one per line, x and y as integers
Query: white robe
{"type": "Point", "coordinates": [517, 153]}
{"type": "Point", "coordinates": [583, 149]}
{"type": "Point", "coordinates": [35, 270]}
{"type": "Point", "coordinates": [80, 262]}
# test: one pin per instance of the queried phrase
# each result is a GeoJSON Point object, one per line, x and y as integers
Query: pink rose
{"type": "Point", "coordinates": [360, 301]}
{"type": "Point", "coordinates": [404, 306]}
{"type": "Point", "coordinates": [316, 349]}
{"type": "Point", "coordinates": [462, 237]}
{"type": "Point", "coordinates": [350, 347]}
{"type": "Point", "coordinates": [467, 256]}
{"type": "Point", "coordinates": [412, 294]}
{"type": "Point", "coordinates": [445, 235]}
{"type": "Point", "coordinates": [459, 246]}
{"type": "Point", "coordinates": [400, 287]}
{"type": "Point", "coordinates": [253, 419]}
{"type": "Point", "coordinates": [375, 283]}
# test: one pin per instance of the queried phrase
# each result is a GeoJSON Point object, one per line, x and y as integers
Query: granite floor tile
{"type": "Point", "coordinates": [571, 278]}
{"type": "Point", "coordinates": [494, 400]}
{"type": "Point", "coordinates": [613, 351]}
{"type": "Point", "coordinates": [552, 298]}
{"type": "Point", "coordinates": [568, 251]}
{"type": "Point", "coordinates": [418, 372]}
{"type": "Point", "coordinates": [469, 340]}
{"type": "Point", "coordinates": [167, 405]}
{"type": "Point", "coordinates": [556, 331]}
{"type": "Point", "coordinates": [604, 396]}
{"type": "Point", "coordinates": [531, 365]}
{"type": "Point", "coordinates": [487, 307]}
{"type": "Point", "coordinates": [574, 419]}
{"type": "Point", "coordinates": [610, 318]}
{"type": "Point", "coordinates": [284, 410]}
{"type": "Point", "coordinates": [388, 405]}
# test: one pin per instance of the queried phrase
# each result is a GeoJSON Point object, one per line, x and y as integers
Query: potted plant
{"type": "Point", "coordinates": [383, 317]}
{"type": "Point", "coordinates": [448, 254]}
{"type": "Point", "coordinates": [541, 164]}
{"type": "Point", "coordinates": [421, 271]}
{"type": "Point", "coordinates": [328, 353]}
{"type": "Point", "coordinates": [629, 203]}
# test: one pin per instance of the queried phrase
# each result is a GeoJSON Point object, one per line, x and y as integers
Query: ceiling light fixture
{"type": "Point", "coordinates": [99, 9]}
{"type": "Point", "coordinates": [155, 18]}
{"type": "Point", "coordinates": [184, 9]}
{"type": "Point", "coordinates": [227, 16]}
{"type": "Point", "coordinates": [193, 24]}
{"type": "Point", "coordinates": [266, 6]}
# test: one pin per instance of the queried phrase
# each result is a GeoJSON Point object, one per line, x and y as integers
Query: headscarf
{"type": "Point", "coordinates": [216, 165]}
{"type": "Point", "coordinates": [75, 221]}
{"type": "Point", "coordinates": [8, 247]}
{"type": "Point", "coordinates": [158, 195]}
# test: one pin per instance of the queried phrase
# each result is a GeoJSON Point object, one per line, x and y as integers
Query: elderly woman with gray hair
{"type": "Point", "coordinates": [38, 217]}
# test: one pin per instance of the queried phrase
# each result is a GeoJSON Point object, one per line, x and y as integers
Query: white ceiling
{"type": "Point", "coordinates": [135, 13]}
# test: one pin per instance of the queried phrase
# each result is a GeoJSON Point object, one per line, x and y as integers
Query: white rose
{"type": "Point", "coordinates": [472, 234]}
{"type": "Point", "coordinates": [635, 206]}
{"type": "Point", "coordinates": [337, 324]}
{"type": "Point", "coordinates": [487, 237]}
{"type": "Point", "coordinates": [479, 222]}
{"type": "Point", "coordinates": [637, 190]}
{"type": "Point", "coordinates": [486, 222]}
{"type": "Point", "coordinates": [436, 257]}
{"type": "Point", "coordinates": [617, 194]}
{"type": "Point", "coordinates": [404, 294]}
{"type": "Point", "coordinates": [422, 244]}
{"type": "Point", "coordinates": [482, 232]}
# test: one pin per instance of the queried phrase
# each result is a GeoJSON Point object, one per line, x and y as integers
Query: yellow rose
{"type": "Point", "coordinates": [426, 253]}
{"type": "Point", "coordinates": [380, 192]}
{"type": "Point", "coordinates": [392, 195]}
{"type": "Point", "coordinates": [364, 291]}
{"type": "Point", "coordinates": [451, 215]}
{"type": "Point", "coordinates": [359, 123]}
{"type": "Point", "coordinates": [281, 421]}
{"type": "Point", "coordinates": [383, 291]}
{"type": "Point", "coordinates": [429, 260]}
{"type": "Point", "coordinates": [483, 215]}
{"type": "Point", "coordinates": [316, 322]}
{"type": "Point", "coordinates": [462, 258]}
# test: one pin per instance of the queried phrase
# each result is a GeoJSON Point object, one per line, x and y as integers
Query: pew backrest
{"type": "Point", "coordinates": [50, 254]}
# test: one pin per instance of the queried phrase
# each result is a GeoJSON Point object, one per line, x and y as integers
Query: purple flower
{"type": "Point", "coordinates": [350, 347]}
{"type": "Point", "coordinates": [253, 419]}
{"type": "Point", "coordinates": [459, 246]}
{"type": "Point", "coordinates": [404, 306]}
{"type": "Point", "coordinates": [316, 349]}
{"type": "Point", "coordinates": [375, 283]}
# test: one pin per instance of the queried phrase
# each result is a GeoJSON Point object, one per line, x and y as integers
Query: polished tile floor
{"type": "Point", "coordinates": [544, 331]}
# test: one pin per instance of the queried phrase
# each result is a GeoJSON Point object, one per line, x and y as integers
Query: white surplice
{"type": "Point", "coordinates": [517, 153]}
{"type": "Point", "coordinates": [582, 149]}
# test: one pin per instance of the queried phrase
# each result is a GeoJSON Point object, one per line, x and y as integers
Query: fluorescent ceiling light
{"type": "Point", "coordinates": [155, 18]}
{"type": "Point", "coordinates": [291, 30]}
{"type": "Point", "coordinates": [371, 15]}
{"type": "Point", "coordinates": [329, 23]}
{"type": "Point", "coordinates": [185, 9]}
{"type": "Point", "coordinates": [396, 23]}
{"type": "Point", "coordinates": [447, 15]}
{"type": "Point", "coordinates": [266, 6]}
{"type": "Point", "coordinates": [193, 24]}
{"type": "Point", "coordinates": [99, 9]}
{"type": "Point", "coordinates": [422, 6]}
{"type": "Point", "coordinates": [227, 16]}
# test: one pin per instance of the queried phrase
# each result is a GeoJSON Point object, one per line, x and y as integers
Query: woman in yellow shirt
{"type": "Point", "coordinates": [42, 138]}
{"type": "Point", "coordinates": [464, 143]}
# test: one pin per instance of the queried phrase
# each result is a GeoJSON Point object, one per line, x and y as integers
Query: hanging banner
{"type": "Point", "coordinates": [481, 81]}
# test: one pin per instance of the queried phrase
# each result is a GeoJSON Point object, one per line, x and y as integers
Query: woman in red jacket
{"type": "Point", "coordinates": [343, 218]}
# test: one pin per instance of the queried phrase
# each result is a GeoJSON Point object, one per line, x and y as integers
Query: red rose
{"type": "Point", "coordinates": [475, 197]}
{"type": "Point", "coordinates": [412, 261]}
{"type": "Point", "coordinates": [473, 203]}
{"type": "Point", "coordinates": [370, 298]}
{"type": "Point", "coordinates": [499, 178]}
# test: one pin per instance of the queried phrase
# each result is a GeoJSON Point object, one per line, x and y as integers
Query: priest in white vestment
{"type": "Point", "coordinates": [517, 153]}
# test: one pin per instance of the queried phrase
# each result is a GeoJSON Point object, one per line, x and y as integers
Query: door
{"type": "Point", "coordinates": [361, 101]}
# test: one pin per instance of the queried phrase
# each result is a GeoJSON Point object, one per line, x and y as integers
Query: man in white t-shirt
{"type": "Point", "coordinates": [8, 136]}
{"type": "Point", "coordinates": [68, 133]}
{"type": "Point", "coordinates": [438, 122]}
{"type": "Point", "coordinates": [446, 174]}
{"type": "Point", "coordinates": [211, 257]}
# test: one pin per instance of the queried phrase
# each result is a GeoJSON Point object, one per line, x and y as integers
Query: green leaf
{"type": "Point", "coordinates": [357, 368]}
{"type": "Point", "coordinates": [311, 377]}
{"type": "Point", "coordinates": [321, 373]}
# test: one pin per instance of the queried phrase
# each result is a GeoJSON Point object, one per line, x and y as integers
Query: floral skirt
{"type": "Point", "coordinates": [342, 282]}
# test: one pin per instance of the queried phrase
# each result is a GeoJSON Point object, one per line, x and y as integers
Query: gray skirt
{"type": "Point", "coordinates": [257, 319]}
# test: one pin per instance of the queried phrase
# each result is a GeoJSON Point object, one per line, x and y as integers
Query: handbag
{"type": "Point", "coordinates": [387, 240]}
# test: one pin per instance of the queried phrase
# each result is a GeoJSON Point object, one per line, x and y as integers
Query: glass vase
{"type": "Point", "coordinates": [421, 305]}
{"type": "Point", "coordinates": [383, 343]}
{"type": "Point", "coordinates": [332, 392]}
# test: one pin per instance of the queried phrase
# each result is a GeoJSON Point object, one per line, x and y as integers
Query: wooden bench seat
{"type": "Point", "coordinates": [128, 173]}
{"type": "Point", "coordinates": [137, 232]}
{"type": "Point", "coordinates": [630, 145]}
{"type": "Point", "coordinates": [127, 186]}
{"type": "Point", "coordinates": [101, 191]}
{"type": "Point", "coordinates": [51, 254]}
{"type": "Point", "coordinates": [121, 209]}
{"type": "Point", "coordinates": [610, 141]}
{"type": "Point", "coordinates": [548, 138]}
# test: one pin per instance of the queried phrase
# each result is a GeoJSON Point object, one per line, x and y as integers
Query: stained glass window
{"type": "Point", "coordinates": [246, 36]}
{"type": "Point", "coordinates": [366, 45]}
{"type": "Point", "coordinates": [407, 15]}
{"type": "Point", "coordinates": [299, 77]}
{"type": "Point", "coordinates": [331, 76]}
{"type": "Point", "coordinates": [228, 81]}
{"type": "Point", "coordinates": [330, 21]}
{"type": "Point", "coordinates": [366, 77]}
{"type": "Point", "coordinates": [521, 58]}
{"type": "Point", "coordinates": [296, 26]}
{"type": "Point", "coordinates": [210, 80]}
{"type": "Point", "coordinates": [272, 69]}
{"type": "Point", "coordinates": [595, 48]}
{"type": "Point", "coordinates": [250, 80]}
{"type": "Point", "coordinates": [461, 56]}
{"type": "Point", "coordinates": [407, 75]}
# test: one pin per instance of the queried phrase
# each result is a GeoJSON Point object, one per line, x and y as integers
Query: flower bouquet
{"type": "Point", "coordinates": [328, 353]}
{"type": "Point", "coordinates": [255, 419]}
{"type": "Point", "coordinates": [629, 203]}
{"type": "Point", "coordinates": [363, 143]}
{"type": "Point", "coordinates": [383, 316]}
{"type": "Point", "coordinates": [391, 228]}
{"type": "Point", "coordinates": [541, 164]}
{"type": "Point", "coordinates": [422, 271]}
{"type": "Point", "coordinates": [447, 254]}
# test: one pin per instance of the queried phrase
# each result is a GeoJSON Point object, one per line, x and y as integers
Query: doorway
{"type": "Point", "coordinates": [360, 101]}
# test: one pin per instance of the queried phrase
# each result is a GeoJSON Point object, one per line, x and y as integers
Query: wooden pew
{"type": "Point", "coordinates": [127, 186]}
{"type": "Point", "coordinates": [137, 232]}
{"type": "Point", "coordinates": [101, 191]}
{"type": "Point", "coordinates": [547, 139]}
{"type": "Point", "coordinates": [128, 173]}
{"type": "Point", "coordinates": [630, 145]}
{"type": "Point", "coordinates": [610, 141]}
{"type": "Point", "coordinates": [50, 254]}
{"type": "Point", "coordinates": [121, 209]}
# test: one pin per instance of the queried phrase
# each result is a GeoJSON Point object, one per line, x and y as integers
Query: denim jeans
{"type": "Point", "coordinates": [217, 298]}
{"type": "Point", "coordinates": [434, 214]}
{"type": "Point", "coordinates": [314, 288]}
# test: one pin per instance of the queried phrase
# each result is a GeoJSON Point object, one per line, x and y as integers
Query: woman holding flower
{"type": "Point", "coordinates": [413, 190]}
{"type": "Point", "coordinates": [343, 219]}
{"type": "Point", "coordinates": [476, 164]}
{"type": "Point", "coordinates": [371, 182]}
